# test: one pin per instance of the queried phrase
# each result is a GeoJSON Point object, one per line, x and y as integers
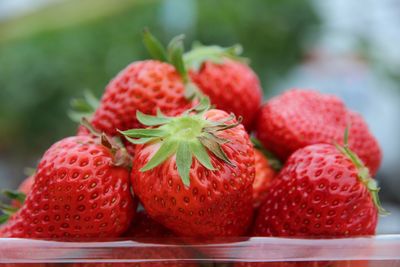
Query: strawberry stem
{"type": "Point", "coordinates": [186, 136]}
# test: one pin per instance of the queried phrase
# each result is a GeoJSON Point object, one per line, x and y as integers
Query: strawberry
{"type": "Point", "coordinates": [145, 86]}
{"type": "Point", "coordinates": [262, 181]}
{"type": "Point", "coordinates": [81, 189]}
{"type": "Point", "coordinates": [230, 83]}
{"type": "Point", "coordinates": [322, 191]}
{"type": "Point", "coordinates": [210, 195]}
{"type": "Point", "coordinates": [298, 118]}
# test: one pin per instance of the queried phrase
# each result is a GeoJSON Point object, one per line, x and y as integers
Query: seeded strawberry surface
{"type": "Point", "coordinates": [298, 118]}
{"type": "Point", "coordinates": [144, 86]}
{"type": "Point", "coordinates": [217, 203]}
{"type": "Point", "coordinates": [232, 86]}
{"type": "Point", "coordinates": [78, 192]}
{"type": "Point", "coordinates": [317, 193]}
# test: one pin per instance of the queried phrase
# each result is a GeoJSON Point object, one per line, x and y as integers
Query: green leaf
{"type": "Point", "coordinates": [195, 58]}
{"type": "Point", "coordinates": [83, 107]}
{"type": "Point", "coordinates": [201, 155]}
{"type": "Point", "coordinates": [14, 195]}
{"type": "Point", "coordinates": [346, 136]}
{"type": "Point", "coordinates": [4, 218]}
{"type": "Point", "coordinates": [191, 91]}
{"type": "Point", "coordinates": [215, 138]}
{"type": "Point", "coordinates": [175, 56]}
{"type": "Point", "coordinates": [139, 141]}
{"type": "Point", "coordinates": [91, 99]}
{"type": "Point", "coordinates": [183, 162]}
{"type": "Point", "coordinates": [139, 133]}
{"type": "Point", "coordinates": [29, 171]}
{"type": "Point", "coordinates": [149, 120]}
{"type": "Point", "coordinates": [215, 148]}
{"type": "Point", "coordinates": [203, 105]}
{"type": "Point", "coordinates": [7, 209]}
{"type": "Point", "coordinates": [165, 151]}
{"type": "Point", "coordinates": [154, 47]}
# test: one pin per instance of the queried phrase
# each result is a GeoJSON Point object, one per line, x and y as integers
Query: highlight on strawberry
{"type": "Point", "coordinates": [194, 172]}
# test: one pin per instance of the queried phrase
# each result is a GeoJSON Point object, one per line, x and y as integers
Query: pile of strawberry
{"type": "Point", "coordinates": [153, 142]}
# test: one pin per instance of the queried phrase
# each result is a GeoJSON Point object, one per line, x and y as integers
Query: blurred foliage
{"type": "Point", "coordinates": [48, 57]}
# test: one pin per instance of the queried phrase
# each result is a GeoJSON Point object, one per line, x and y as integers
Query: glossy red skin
{"type": "Point", "coordinates": [263, 178]}
{"type": "Point", "coordinates": [142, 86]}
{"type": "Point", "coordinates": [77, 192]}
{"type": "Point", "coordinates": [298, 118]}
{"type": "Point", "coordinates": [317, 194]}
{"type": "Point", "coordinates": [217, 203]}
{"type": "Point", "coordinates": [232, 86]}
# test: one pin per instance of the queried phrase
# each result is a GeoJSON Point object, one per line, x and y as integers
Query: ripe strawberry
{"type": "Point", "coordinates": [208, 196]}
{"type": "Point", "coordinates": [322, 191]}
{"type": "Point", "coordinates": [298, 118]}
{"type": "Point", "coordinates": [231, 85]}
{"type": "Point", "coordinates": [145, 86]}
{"type": "Point", "coordinates": [81, 189]}
{"type": "Point", "coordinates": [262, 181]}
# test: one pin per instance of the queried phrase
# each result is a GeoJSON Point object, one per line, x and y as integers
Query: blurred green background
{"type": "Point", "coordinates": [52, 55]}
{"type": "Point", "coordinates": [50, 51]}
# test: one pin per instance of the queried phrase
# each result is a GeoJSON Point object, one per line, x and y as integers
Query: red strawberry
{"type": "Point", "coordinates": [231, 85]}
{"type": "Point", "coordinates": [143, 86]}
{"type": "Point", "coordinates": [298, 118]}
{"type": "Point", "coordinates": [262, 181]}
{"type": "Point", "coordinates": [80, 190]}
{"type": "Point", "coordinates": [322, 191]}
{"type": "Point", "coordinates": [210, 195]}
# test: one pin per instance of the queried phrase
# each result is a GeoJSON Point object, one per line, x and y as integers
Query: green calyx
{"type": "Point", "coordinates": [363, 173]}
{"type": "Point", "coordinates": [195, 58]}
{"type": "Point", "coordinates": [174, 54]}
{"type": "Point", "coordinates": [83, 107]}
{"type": "Point", "coordinates": [9, 210]}
{"type": "Point", "coordinates": [186, 136]}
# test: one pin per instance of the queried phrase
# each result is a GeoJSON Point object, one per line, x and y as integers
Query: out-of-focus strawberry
{"type": "Point", "coordinates": [229, 82]}
{"type": "Point", "coordinates": [298, 118]}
